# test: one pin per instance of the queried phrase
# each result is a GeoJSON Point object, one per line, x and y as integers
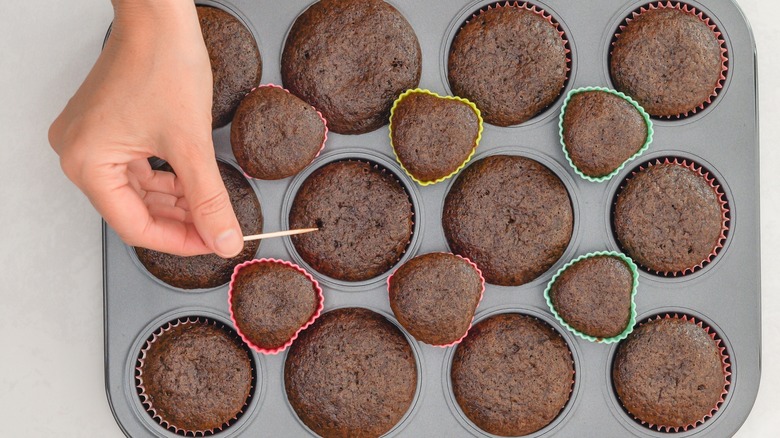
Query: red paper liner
{"type": "Point", "coordinates": [688, 9]}
{"type": "Point", "coordinates": [540, 12]}
{"type": "Point", "coordinates": [324, 123]}
{"type": "Point", "coordinates": [315, 315]}
{"type": "Point", "coordinates": [145, 397]}
{"type": "Point", "coordinates": [725, 361]}
{"type": "Point", "coordinates": [725, 211]}
{"type": "Point", "coordinates": [481, 295]}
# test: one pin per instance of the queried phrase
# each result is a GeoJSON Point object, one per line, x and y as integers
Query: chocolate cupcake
{"type": "Point", "coordinates": [275, 135]}
{"type": "Point", "coordinates": [670, 217]}
{"type": "Point", "coordinates": [235, 61]}
{"type": "Point", "coordinates": [364, 216]}
{"type": "Point", "coordinates": [271, 301]}
{"type": "Point", "coordinates": [601, 130]}
{"type": "Point", "coordinates": [352, 373]}
{"type": "Point", "coordinates": [671, 373]}
{"type": "Point", "coordinates": [351, 59]}
{"type": "Point", "coordinates": [194, 377]}
{"type": "Point", "coordinates": [433, 137]}
{"type": "Point", "coordinates": [513, 375]}
{"type": "Point", "coordinates": [209, 271]}
{"type": "Point", "coordinates": [511, 216]}
{"type": "Point", "coordinates": [435, 296]}
{"type": "Point", "coordinates": [670, 58]}
{"type": "Point", "coordinates": [511, 60]}
{"type": "Point", "coordinates": [593, 296]}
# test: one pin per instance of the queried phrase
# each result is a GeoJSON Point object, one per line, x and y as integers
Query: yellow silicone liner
{"type": "Point", "coordinates": [455, 98]}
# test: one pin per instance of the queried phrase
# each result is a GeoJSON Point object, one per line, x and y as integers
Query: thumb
{"type": "Point", "coordinates": [208, 200]}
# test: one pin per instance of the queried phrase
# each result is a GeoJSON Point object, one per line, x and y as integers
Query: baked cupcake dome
{"type": "Point", "coordinates": [194, 376]}
{"type": "Point", "coordinates": [510, 215]}
{"type": "Point", "coordinates": [365, 219]}
{"type": "Point", "coordinates": [434, 296]}
{"type": "Point", "coordinates": [324, 61]}
{"type": "Point", "coordinates": [668, 58]}
{"type": "Point", "coordinates": [236, 64]}
{"type": "Point", "coordinates": [210, 271]}
{"type": "Point", "coordinates": [513, 375]}
{"type": "Point", "coordinates": [485, 70]}
{"type": "Point", "coordinates": [671, 373]}
{"type": "Point", "coordinates": [352, 373]}
{"type": "Point", "coordinates": [275, 135]}
{"type": "Point", "coordinates": [670, 217]}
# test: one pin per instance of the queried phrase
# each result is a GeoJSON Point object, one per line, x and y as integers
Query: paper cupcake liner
{"type": "Point", "coordinates": [725, 362]}
{"type": "Point", "coordinates": [699, 170]}
{"type": "Point", "coordinates": [688, 9]}
{"type": "Point", "coordinates": [315, 315]}
{"type": "Point", "coordinates": [481, 295]}
{"type": "Point", "coordinates": [146, 400]}
{"type": "Point", "coordinates": [455, 98]}
{"type": "Point", "coordinates": [324, 123]}
{"type": "Point", "coordinates": [634, 103]}
{"type": "Point", "coordinates": [634, 287]}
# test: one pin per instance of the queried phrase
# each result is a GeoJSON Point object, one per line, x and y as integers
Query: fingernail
{"type": "Point", "coordinates": [228, 244]}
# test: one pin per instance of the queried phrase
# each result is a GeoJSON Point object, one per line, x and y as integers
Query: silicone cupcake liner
{"type": "Point", "coordinates": [699, 170]}
{"type": "Point", "coordinates": [635, 104]}
{"type": "Point", "coordinates": [455, 98]}
{"type": "Point", "coordinates": [481, 295]}
{"type": "Point", "coordinates": [632, 314]}
{"type": "Point", "coordinates": [145, 399]}
{"type": "Point", "coordinates": [688, 9]}
{"type": "Point", "coordinates": [314, 316]}
{"type": "Point", "coordinates": [324, 123]}
{"type": "Point", "coordinates": [726, 364]}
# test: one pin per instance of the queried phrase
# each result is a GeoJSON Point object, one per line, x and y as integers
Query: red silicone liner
{"type": "Point", "coordinates": [324, 123]}
{"type": "Point", "coordinates": [145, 397]}
{"type": "Point", "coordinates": [481, 295]}
{"type": "Point", "coordinates": [538, 11]}
{"type": "Point", "coordinates": [721, 199]}
{"type": "Point", "coordinates": [725, 361]}
{"type": "Point", "coordinates": [315, 315]}
{"type": "Point", "coordinates": [706, 20]}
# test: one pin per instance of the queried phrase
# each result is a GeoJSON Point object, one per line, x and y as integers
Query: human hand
{"type": "Point", "coordinates": [150, 94]}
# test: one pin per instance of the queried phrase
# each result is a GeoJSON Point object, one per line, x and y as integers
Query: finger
{"type": "Point", "coordinates": [212, 212]}
{"type": "Point", "coordinates": [155, 180]}
{"type": "Point", "coordinates": [170, 212]}
{"type": "Point", "coordinates": [151, 198]}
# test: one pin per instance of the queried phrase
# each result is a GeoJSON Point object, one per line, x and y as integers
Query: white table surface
{"type": "Point", "coordinates": [51, 320]}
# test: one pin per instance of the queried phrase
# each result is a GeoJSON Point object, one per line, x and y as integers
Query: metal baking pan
{"type": "Point", "coordinates": [726, 294]}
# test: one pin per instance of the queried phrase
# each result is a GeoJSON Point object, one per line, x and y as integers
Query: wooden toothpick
{"type": "Point", "coordinates": [279, 234]}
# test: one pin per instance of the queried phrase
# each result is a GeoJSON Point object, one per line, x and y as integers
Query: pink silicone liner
{"type": "Point", "coordinates": [540, 12]}
{"type": "Point", "coordinates": [706, 20]}
{"type": "Point", "coordinates": [145, 397]}
{"type": "Point", "coordinates": [315, 315]}
{"type": "Point", "coordinates": [724, 358]}
{"type": "Point", "coordinates": [324, 123]}
{"type": "Point", "coordinates": [721, 199]}
{"type": "Point", "coordinates": [481, 294]}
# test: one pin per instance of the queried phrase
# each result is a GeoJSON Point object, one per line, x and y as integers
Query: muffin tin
{"type": "Point", "coordinates": [725, 294]}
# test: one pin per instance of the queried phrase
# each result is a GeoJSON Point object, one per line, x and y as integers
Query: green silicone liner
{"type": "Point", "coordinates": [472, 105]}
{"type": "Point", "coordinates": [636, 105]}
{"type": "Point", "coordinates": [632, 319]}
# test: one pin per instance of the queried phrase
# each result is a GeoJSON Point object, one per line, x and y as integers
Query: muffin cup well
{"type": "Point", "coordinates": [726, 365]}
{"type": "Point", "coordinates": [688, 164]}
{"type": "Point", "coordinates": [481, 295]}
{"type": "Point", "coordinates": [145, 399]}
{"type": "Point", "coordinates": [324, 124]}
{"type": "Point", "coordinates": [635, 104]}
{"type": "Point", "coordinates": [467, 102]}
{"type": "Point", "coordinates": [632, 313]}
{"type": "Point", "coordinates": [707, 21]}
{"type": "Point", "coordinates": [315, 315]}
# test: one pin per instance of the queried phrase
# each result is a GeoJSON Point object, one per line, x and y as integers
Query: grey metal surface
{"type": "Point", "coordinates": [725, 294]}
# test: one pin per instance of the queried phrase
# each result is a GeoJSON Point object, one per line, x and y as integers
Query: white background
{"type": "Point", "coordinates": [51, 320]}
